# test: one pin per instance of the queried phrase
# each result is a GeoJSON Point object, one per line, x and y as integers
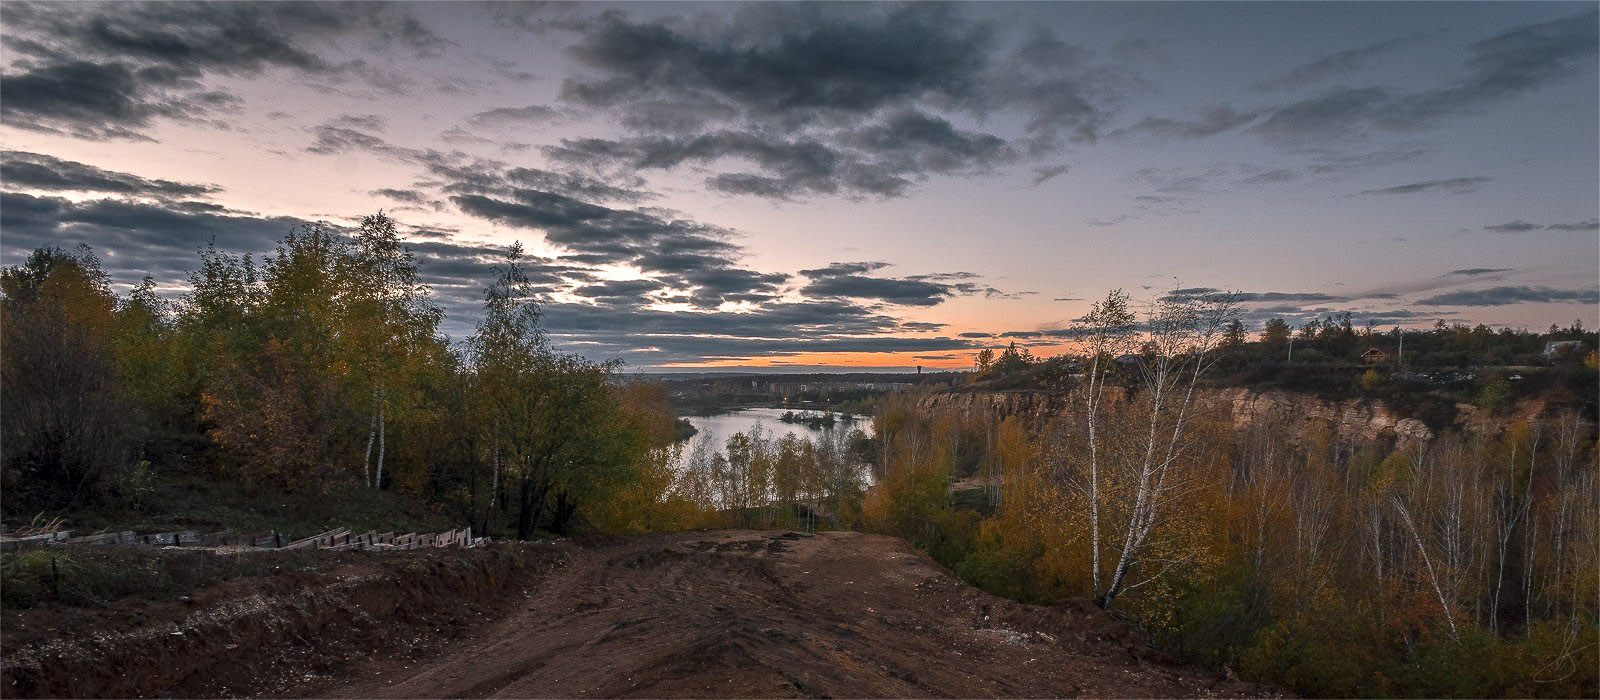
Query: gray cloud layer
{"type": "Point", "coordinates": [1520, 226]}
{"type": "Point", "coordinates": [827, 99]}
{"type": "Point", "coordinates": [108, 70]}
{"type": "Point", "coordinates": [1513, 62]}
{"type": "Point", "coordinates": [1502, 296]}
{"type": "Point", "coordinates": [20, 169]}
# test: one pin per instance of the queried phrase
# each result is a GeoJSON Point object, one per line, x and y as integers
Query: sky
{"type": "Point", "coordinates": [835, 185]}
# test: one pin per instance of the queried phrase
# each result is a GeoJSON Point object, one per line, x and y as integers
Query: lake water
{"type": "Point", "coordinates": [715, 430]}
{"type": "Point", "coordinates": [720, 427]}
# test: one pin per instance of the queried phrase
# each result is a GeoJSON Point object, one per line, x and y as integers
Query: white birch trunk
{"type": "Point", "coordinates": [494, 481]}
{"type": "Point", "coordinates": [1094, 471]}
{"type": "Point", "coordinates": [1405, 517]}
{"type": "Point", "coordinates": [372, 435]}
{"type": "Point", "coordinates": [382, 446]}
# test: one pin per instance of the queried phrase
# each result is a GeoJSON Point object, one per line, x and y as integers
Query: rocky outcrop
{"type": "Point", "coordinates": [1352, 420]}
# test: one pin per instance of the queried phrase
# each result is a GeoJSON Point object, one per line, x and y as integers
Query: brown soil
{"type": "Point", "coordinates": [691, 614]}
{"type": "Point", "coordinates": [266, 635]}
{"type": "Point", "coordinates": [764, 614]}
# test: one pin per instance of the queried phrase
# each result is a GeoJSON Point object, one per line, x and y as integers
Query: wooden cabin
{"type": "Point", "coordinates": [1374, 356]}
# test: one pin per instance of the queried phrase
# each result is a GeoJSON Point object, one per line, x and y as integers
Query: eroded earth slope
{"type": "Point", "coordinates": [765, 614]}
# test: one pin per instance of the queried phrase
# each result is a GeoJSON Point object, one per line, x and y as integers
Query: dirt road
{"type": "Point", "coordinates": [760, 614]}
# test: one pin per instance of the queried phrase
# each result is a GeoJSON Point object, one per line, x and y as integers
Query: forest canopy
{"type": "Point", "coordinates": [319, 368]}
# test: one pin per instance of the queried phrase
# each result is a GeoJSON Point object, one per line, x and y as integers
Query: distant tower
{"type": "Point", "coordinates": [919, 370]}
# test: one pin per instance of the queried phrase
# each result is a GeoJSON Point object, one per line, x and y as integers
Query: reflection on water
{"type": "Point", "coordinates": [720, 427]}
{"type": "Point", "coordinates": [715, 430]}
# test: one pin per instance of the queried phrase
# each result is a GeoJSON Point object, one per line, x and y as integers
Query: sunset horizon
{"type": "Point", "coordinates": [835, 186]}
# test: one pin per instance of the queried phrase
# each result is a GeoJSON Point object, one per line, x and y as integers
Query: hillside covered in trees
{"type": "Point", "coordinates": [317, 372]}
{"type": "Point", "coordinates": [1463, 564]}
{"type": "Point", "coordinates": [1459, 564]}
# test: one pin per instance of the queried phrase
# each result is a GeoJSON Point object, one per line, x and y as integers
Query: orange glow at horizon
{"type": "Point", "coordinates": [963, 359]}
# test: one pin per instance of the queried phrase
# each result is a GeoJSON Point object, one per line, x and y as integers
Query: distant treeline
{"type": "Point", "coordinates": [1319, 356]}
{"type": "Point", "coordinates": [319, 368]}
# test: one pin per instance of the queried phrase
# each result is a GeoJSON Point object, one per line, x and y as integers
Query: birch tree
{"type": "Point", "coordinates": [391, 319]}
{"type": "Point", "coordinates": [1183, 334]}
{"type": "Point", "coordinates": [1109, 327]}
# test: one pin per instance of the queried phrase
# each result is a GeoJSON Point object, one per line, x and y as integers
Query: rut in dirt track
{"type": "Point", "coordinates": [762, 614]}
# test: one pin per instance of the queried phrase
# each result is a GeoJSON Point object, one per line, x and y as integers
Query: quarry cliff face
{"type": "Point", "coordinates": [1352, 420]}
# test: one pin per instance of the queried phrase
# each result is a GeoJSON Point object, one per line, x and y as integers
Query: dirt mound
{"type": "Point", "coordinates": [762, 614]}
{"type": "Point", "coordinates": [272, 633]}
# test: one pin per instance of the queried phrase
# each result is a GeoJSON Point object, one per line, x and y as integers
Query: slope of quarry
{"type": "Point", "coordinates": [688, 614]}
{"type": "Point", "coordinates": [765, 614]}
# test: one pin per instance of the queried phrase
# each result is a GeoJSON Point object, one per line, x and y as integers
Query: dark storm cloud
{"type": "Point", "coordinates": [826, 99]}
{"type": "Point", "coordinates": [1502, 296]}
{"type": "Point", "coordinates": [343, 134]}
{"type": "Point", "coordinates": [1476, 271]}
{"type": "Point", "coordinates": [134, 238]}
{"type": "Point", "coordinates": [1520, 226]}
{"type": "Point", "coordinates": [619, 322]}
{"type": "Point", "coordinates": [914, 141]}
{"type": "Point", "coordinates": [161, 239]}
{"type": "Point", "coordinates": [791, 167]}
{"type": "Point", "coordinates": [894, 291]}
{"type": "Point", "coordinates": [694, 258]}
{"type": "Point", "coordinates": [1297, 315]}
{"type": "Point", "coordinates": [849, 280]}
{"type": "Point", "coordinates": [108, 70]}
{"type": "Point", "coordinates": [662, 349]}
{"type": "Point", "coordinates": [811, 318]}
{"type": "Point", "coordinates": [618, 291]}
{"type": "Point", "coordinates": [1335, 65]}
{"type": "Point", "coordinates": [1309, 297]}
{"type": "Point", "coordinates": [513, 116]}
{"type": "Point", "coordinates": [89, 100]}
{"type": "Point", "coordinates": [714, 284]}
{"type": "Point", "coordinates": [407, 196]}
{"type": "Point", "coordinates": [575, 184]}
{"type": "Point", "coordinates": [1213, 294]}
{"type": "Point", "coordinates": [1067, 333]}
{"type": "Point", "coordinates": [590, 228]}
{"type": "Point", "coordinates": [37, 171]}
{"type": "Point", "coordinates": [455, 173]}
{"type": "Point", "coordinates": [845, 268]}
{"type": "Point", "coordinates": [1455, 185]}
{"type": "Point", "coordinates": [458, 264]}
{"type": "Point", "coordinates": [937, 276]}
{"type": "Point", "coordinates": [793, 64]}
